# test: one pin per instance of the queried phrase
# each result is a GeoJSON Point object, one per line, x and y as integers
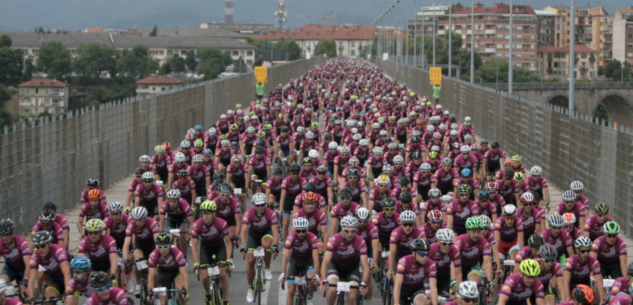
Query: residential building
{"type": "Point", "coordinates": [244, 28]}
{"type": "Point", "coordinates": [350, 39]}
{"type": "Point", "coordinates": [623, 34]}
{"type": "Point", "coordinates": [157, 84]}
{"type": "Point", "coordinates": [43, 95]}
{"type": "Point", "coordinates": [210, 32]}
{"type": "Point", "coordinates": [602, 31]}
{"type": "Point", "coordinates": [585, 32]}
{"type": "Point", "coordinates": [554, 62]}
{"type": "Point", "coordinates": [160, 47]}
{"type": "Point", "coordinates": [545, 28]}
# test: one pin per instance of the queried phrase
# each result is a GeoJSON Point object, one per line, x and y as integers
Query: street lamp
{"type": "Point", "coordinates": [472, 43]}
{"type": "Point", "coordinates": [572, 55]}
{"type": "Point", "coordinates": [450, 38]}
{"type": "Point", "coordinates": [510, 61]}
{"type": "Point", "coordinates": [400, 34]}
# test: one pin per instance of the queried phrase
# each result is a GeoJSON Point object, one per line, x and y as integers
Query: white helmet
{"type": "Point", "coordinates": [362, 214]}
{"type": "Point", "coordinates": [442, 126]}
{"type": "Point", "coordinates": [487, 221]}
{"type": "Point", "coordinates": [425, 166]}
{"type": "Point", "coordinates": [345, 149]}
{"type": "Point", "coordinates": [313, 153]}
{"type": "Point", "coordinates": [382, 133]}
{"type": "Point", "coordinates": [364, 142]}
{"type": "Point", "coordinates": [407, 217]}
{"type": "Point", "coordinates": [250, 129]}
{"type": "Point", "coordinates": [556, 221]}
{"type": "Point", "coordinates": [354, 130]}
{"type": "Point", "coordinates": [387, 168]}
{"type": "Point", "coordinates": [398, 159]}
{"type": "Point", "coordinates": [144, 158]}
{"type": "Point", "coordinates": [467, 119]}
{"type": "Point", "coordinates": [435, 148]}
{"type": "Point", "coordinates": [223, 116]}
{"type": "Point", "coordinates": [356, 137]}
{"type": "Point", "coordinates": [350, 123]}
{"type": "Point", "coordinates": [310, 135]}
{"type": "Point", "coordinates": [332, 145]}
{"type": "Point", "coordinates": [536, 171]}
{"type": "Point", "coordinates": [454, 133]}
{"type": "Point", "coordinates": [115, 207]}
{"type": "Point", "coordinates": [465, 149]}
{"type": "Point", "coordinates": [259, 198]}
{"type": "Point", "coordinates": [581, 242]}
{"type": "Point", "coordinates": [300, 223]}
{"type": "Point", "coordinates": [445, 235]}
{"type": "Point", "coordinates": [446, 198]}
{"type": "Point", "coordinates": [569, 196]}
{"type": "Point", "coordinates": [377, 151]}
{"type": "Point", "coordinates": [148, 176]}
{"type": "Point", "coordinates": [353, 161]}
{"type": "Point", "coordinates": [180, 157]}
{"type": "Point", "coordinates": [173, 194]}
{"type": "Point", "coordinates": [185, 144]}
{"type": "Point", "coordinates": [577, 186]}
{"type": "Point", "coordinates": [300, 129]}
{"type": "Point", "coordinates": [212, 131]}
{"type": "Point", "coordinates": [446, 112]}
{"type": "Point", "coordinates": [197, 158]}
{"type": "Point", "coordinates": [392, 145]}
{"type": "Point", "coordinates": [349, 221]}
{"type": "Point", "coordinates": [430, 129]}
{"type": "Point", "coordinates": [468, 290]}
{"type": "Point", "coordinates": [509, 209]}
{"type": "Point", "coordinates": [139, 213]}
{"type": "Point", "coordinates": [454, 126]}
{"type": "Point", "coordinates": [225, 143]}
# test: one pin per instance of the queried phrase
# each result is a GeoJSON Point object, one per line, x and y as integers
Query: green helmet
{"type": "Point", "coordinates": [208, 205]}
{"type": "Point", "coordinates": [611, 227]}
{"type": "Point", "coordinates": [198, 143]}
{"type": "Point", "coordinates": [467, 123]}
{"type": "Point", "coordinates": [234, 127]}
{"type": "Point", "coordinates": [261, 134]}
{"type": "Point", "coordinates": [464, 188]}
{"type": "Point", "coordinates": [516, 158]}
{"type": "Point", "coordinates": [223, 137]}
{"type": "Point", "coordinates": [602, 208]}
{"type": "Point", "coordinates": [530, 267]}
{"type": "Point", "coordinates": [268, 127]}
{"type": "Point", "coordinates": [163, 238]}
{"type": "Point", "coordinates": [315, 125]}
{"type": "Point", "coordinates": [388, 202]}
{"type": "Point", "coordinates": [474, 223]}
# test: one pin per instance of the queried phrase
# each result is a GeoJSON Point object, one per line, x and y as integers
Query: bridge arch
{"type": "Point", "coordinates": [559, 100]}
{"type": "Point", "coordinates": [617, 108]}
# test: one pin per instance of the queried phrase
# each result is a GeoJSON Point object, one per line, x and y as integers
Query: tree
{"type": "Point", "coordinates": [289, 45]}
{"type": "Point", "coordinates": [227, 59]}
{"type": "Point", "coordinates": [326, 46]}
{"type": "Point", "coordinates": [137, 63]}
{"type": "Point", "coordinates": [614, 71]}
{"type": "Point", "coordinates": [488, 72]}
{"type": "Point", "coordinates": [192, 63]}
{"type": "Point", "coordinates": [165, 69]}
{"type": "Point", "coordinates": [177, 63]}
{"type": "Point", "coordinates": [212, 62]}
{"type": "Point", "coordinates": [54, 59]}
{"type": "Point", "coordinates": [93, 59]}
{"type": "Point", "coordinates": [29, 68]}
{"type": "Point", "coordinates": [11, 64]}
{"type": "Point", "coordinates": [5, 41]}
{"type": "Point", "coordinates": [154, 31]}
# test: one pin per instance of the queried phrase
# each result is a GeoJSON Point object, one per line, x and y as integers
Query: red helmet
{"type": "Point", "coordinates": [435, 215]}
{"type": "Point", "coordinates": [167, 145]}
{"type": "Point", "coordinates": [490, 186]}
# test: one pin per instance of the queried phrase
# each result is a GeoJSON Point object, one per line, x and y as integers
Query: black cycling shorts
{"type": "Point", "coordinates": [207, 252]}
{"type": "Point", "coordinates": [345, 273]}
{"type": "Point", "coordinates": [295, 265]}
{"type": "Point", "coordinates": [166, 278]}
{"type": "Point", "coordinates": [406, 295]}
{"type": "Point", "coordinates": [145, 248]}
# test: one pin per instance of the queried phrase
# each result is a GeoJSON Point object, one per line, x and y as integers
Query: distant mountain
{"type": "Point", "coordinates": [25, 15]}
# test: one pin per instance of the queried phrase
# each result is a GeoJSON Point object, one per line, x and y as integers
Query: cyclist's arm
{"type": "Point", "coordinates": [559, 287]}
{"type": "Point", "coordinates": [315, 258]}
{"type": "Point", "coordinates": [488, 266]}
{"type": "Point", "coordinates": [185, 276]}
{"type": "Point", "coordinates": [151, 279]}
{"type": "Point", "coordinates": [228, 176]}
{"type": "Point", "coordinates": [366, 273]}
{"type": "Point", "coordinates": [363, 196]}
{"type": "Point", "coordinates": [517, 200]}
{"type": "Point", "coordinates": [370, 205]}
{"type": "Point", "coordinates": [275, 229]}
{"type": "Point", "coordinates": [193, 196]}
{"type": "Point", "coordinates": [570, 251]}
{"type": "Point", "coordinates": [154, 237]}
{"type": "Point", "coordinates": [324, 237]}
{"type": "Point", "coordinates": [335, 173]}
{"type": "Point", "coordinates": [623, 263]}
{"type": "Point", "coordinates": [284, 261]}
{"type": "Point", "coordinates": [229, 247]}
{"type": "Point", "coordinates": [581, 222]}
{"type": "Point", "coordinates": [80, 227]}
{"type": "Point", "coordinates": [65, 267]}
{"type": "Point", "coordinates": [334, 225]}
{"type": "Point", "coordinates": [126, 248]}
{"type": "Point", "coordinates": [392, 258]}
{"type": "Point", "coordinates": [375, 248]}
{"type": "Point", "coordinates": [128, 200]}
{"type": "Point", "coordinates": [449, 223]}
{"type": "Point", "coordinates": [503, 299]}
{"type": "Point", "coordinates": [566, 280]}
{"type": "Point", "coordinates": [161, 222]}
{"type": "Point", "coordinates": [113, 263]}
{"type": "Point", "coordinates": [243, 235]}
{"type": "Point", "coordinates": [457, 274]}
{"type": "Point", "coordinates": [521, 240]}
{"type": "Point", "coordinates": [433, 284]}
{"type": "Point", "coordinates": [268, 169]}
{"type": "Point", "coordinates": [282, 200]}
{"type": "Point", "coordinates": [137, 202]}
{"type": "Point", "coordinates": [194, 250]}
{"type": "Point", "coordinates": [32, 281]}
{"type": "Point", "coordinates": [600, 289]}
{"type": "Point", "coordinates": [330, 196]}
{"type": "Point", "coordinates": [546, 195]}
{"type": "Point", "coordinates": [326, 261]}
{"type": "Point", "coordinates": [397, 287]}
{"type": "Point", "coordinates": [66, 236]}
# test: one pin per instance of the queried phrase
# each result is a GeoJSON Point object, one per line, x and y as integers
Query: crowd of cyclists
{"type": "Point", "coordinates": [368, 185]}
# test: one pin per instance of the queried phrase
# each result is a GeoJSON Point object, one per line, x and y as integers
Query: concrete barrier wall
{"type": "Point", "coordinates": [567, 147]}
{"type": "Point", "coordinates": [53, 160]}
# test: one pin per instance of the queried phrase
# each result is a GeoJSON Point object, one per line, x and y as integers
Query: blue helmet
{"type": "Point", "coordinates": [198, 128]}
{"type": "Point", "coordinates": [80, 262]}
{"type": "Point", "coordinates": [466, 172]}
{"type": "Point", "coordinates": [207, 152]}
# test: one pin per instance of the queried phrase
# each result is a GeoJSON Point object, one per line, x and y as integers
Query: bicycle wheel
{"type": "Point", "coordinates": [119, 277]}
{"type": "Point", "coordinates": [299, 298]}
{"type": "Point", "coordinates": [217, 295]}
{"type": "Point", "coordinates": [340, 300]}
{"type": "Point", "coordinates": [258, 285]}
{"type": "Point", "coordinates": [144, 292]}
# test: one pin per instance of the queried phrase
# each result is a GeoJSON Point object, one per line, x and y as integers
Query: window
{"type": "Point", "coordinates": [249, 53]}
{"type": "Point", "coordinates": [630, 45]}
{"type": "Point", "coordinates": [183, 52]}
{"type": "Point", "coordinates": [236, 53]}
{"type": "Point", "coordinates": [583, 55]}
{"type": "Point", "coordinates": [630, 35]}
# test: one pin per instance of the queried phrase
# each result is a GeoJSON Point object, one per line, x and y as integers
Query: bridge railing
{"type": "Point", "coordinates": [565, 85]}
{"type": "Point", "coordinates": [53, 159]}
{"type": "Point", "coordinates": [567, 147]}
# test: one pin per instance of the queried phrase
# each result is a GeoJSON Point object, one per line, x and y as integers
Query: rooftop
{"type": "Point", "coordinates": [43, 82]}
{"type": "Point", "coordinates": [320, 31]}
{"type": "Point", "coordinates": [160, 80]}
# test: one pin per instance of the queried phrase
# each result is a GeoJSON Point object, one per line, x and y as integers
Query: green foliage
{"type": "Point", "coordinates": [488, 73]}
{"type": "Point", "coordinates": [289, 45]}
{"type": "Point", "coordinates": [192, 62]}
{"type": "Point", "coordinates": [601, 113]}
{"type": "Point", "coordinates": [212, 62]}
{"type": "Point", "coordinates": [5, 41]}
{"type": "Point", "coordinates": [11, 64]}
{"type": "Point", "coordinates": [54, 59]}
{"type": "Point", "coordinates": [177, 63]}
{"type": "Point", "coordinates": [93, 59]}
{"type": "Point", "coordinates": [165, 69]}
{"type": "Point", "coordinates": [154, 31]}
{"type": "Point", "coordinates": [5, 93]}
{"type": "Point", "coordinates": [137, 63]}
{"type": "Point", "coordinates": [29, 68]}
{"type": "Point", "coordinates": [5, 117]}
{"type": "Point", "coordinates": [325, 46]}
{"type": "Point", "coordinates": [613, 70]}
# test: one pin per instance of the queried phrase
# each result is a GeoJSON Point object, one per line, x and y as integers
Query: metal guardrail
{"type": "Point", "coordinates": [565, 85]}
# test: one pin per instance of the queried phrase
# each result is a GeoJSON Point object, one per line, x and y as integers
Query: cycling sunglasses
{"type": "Point", "coordinates": [163, 247]}
{"type": "Point", "coordinates": [389, 209]}
{"type": "Point", "coordinates": [423, 254]}
{"type": "Point", "coordinates": [349, 231]}
{"type": "Point", "coordinates": [104, 288]}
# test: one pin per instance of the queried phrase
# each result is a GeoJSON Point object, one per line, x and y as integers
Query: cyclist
{"type": "Point", "coordinates": [99, 248]}
{"type": "Point", "coordinates": [378, 195]}
{"type": "Point", "coordinates": [577, 187]}
{"type": "Point", "coordinates": [433, 203]}
{"type": "Point", "coordinates": [386, 221]}
{"type": "Point", "coordinates": [358, 188]}
{"type": "Point", "coordinates": [369, 232]}
{"type": "Point", "coordinates": [551, 274]}
{"type": "Point", "coordinates": [375, 163]}
{"type": "Point", "coordinates": [345, 207]}
{"type": "Point", "coordinates": [570, 205]}
{"type": "Point", "coordinates": [558, 237]}
{"type": "Point", "coordinates": [212, 233]}
{"type": "Point", "coordinates": [178, 214]}
{"type": "Point", "coordinates": [532, 216]}
{"type": "Point", "coordinates": [259, 229]}
{"type": "Point", "coordinates": [594, 224]}
{"type": "Point", "coordinates": [532, 250]}
{"type": "Point", "coordinates": [509, 232]}
{"type": "Point", "coordinates": [200, 174]}
{"type": "Point", "coordinates": [323, 184]}
{"type": "Point", "coordinates": [16, 253]}
{"type": "Point", "coordinates": [143, 231]}
{"type": "Point", "coordinates": [47, 223]}
{"type": "Point", "coordinates": [54, 259]}
{"type": "Point", "coordinates": [460, 209]}
{"type": "Point", "coordinates": [574, 232]}
{"type": "Point", "coordinates": [341, 162]}
{"type": "Point", "coordinates": [580, 268]}
{"type": "Point", "coordinates": [465, 160]}
{"type": "Point", "coordinates": [116, 223]}
{"type": "Point", "coordinates": [317, 219]}
{"type": "Point", "coordinates": [229, 210]}
{"type": "Point", "coordinates": [610, 251]}
{"type": "Point", "coordinates": [79, 285]}
{"type": "Point", "coordinates": [93, 184]}
{"type": "Point", "coordinates": [495, 198]}
{"type": "Point", "coordinates": [445, 177]}
{"type": "Point", "coordinates": [291, 187]}
{"type": "Point", "coordinates": [259, 167]}
{"type": "Point", "coordinates": [509, 188]}
{"type": "Point", "coordinates": [186, 186]}
{"type": "Point", "coordinates": [104, 292]}
{"type": "Point", "coordinates": [332, 154]}
{"type": "Point", "coordinates": [422, 181]}
{"type": "Point", "coordinates": [538, 184]}
{"type": "Point", "coordinates": [484, 206]}
{"type": "Point", "coordinates": [307, 170]}
{"type": "Point", "coordinates": [223, 153]}
{"type": "Point", "coordinates": [175, 167]}
{"type": "Point", "coordinates": [344, 252]}
{"type": "Point", "coordinates": [404, 204]}
{"type": "Point", "coordinates": [237, 175]}
{"type": "Point", "coordinates": [93, 209]}
{"type": "Point", "coordinates": [518, 288]}
{"type": "Point", "coordinates": [434, 223]}
{"type": "Point", "coordinates": [161, 162]}
{"type": "Point", "coordinates": [467, 293]}
{"type": "Point", "coordinates": [59, 218]}
{"type": "Point", "coordinates": [621, 286]}
{"type": "Point", "coordinates": [412, 270]}
{"type": "Point", "coordinates": [401, 237]}
{"type": "Point", "coordinates": [475, 250]}
{"type": "Point", "coordinates": [301, 254]}
{"type": "Point", "coordinates": [148, 194]}
{"type": "Point", "coordinates": [167, 265]}
{"type": "Point", "coordinates": [444, 253]}
{"type": "Point", "coordinates": [583, 295]}
{"type": "Point", "coordinates": [493, 158]}
{"type": "Point", "coordinates": [283, 142]}
{"type": "Point", "coordinates": [273, 187]}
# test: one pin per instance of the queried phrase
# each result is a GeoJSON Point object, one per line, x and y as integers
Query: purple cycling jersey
{"type": "Point", "coordinates": [117, 297]}
{"type": "Point", "coordinates": [171, 263]}
{"type": "Point", "coordinates": [445, 178]}
{"type": "Point", "coordinates": [199, 175]}
{"type": "Point", "coordinates": [609, 254]}
{"type": "Point", "coordinates": [534, 185]}
{"type": "Point", "coordinates": [346, 253]}
{"type": "Point", "coordinates": [461, 162]}
{"type": "Point", "coordinates": [321, 185]}
{"type": "Point", "coordinates": [429, 233]}
{"type": "Point", "coordinates": [154, 193]}
{"type": "Point", "coordinates": [524, 253]}
{"type": "Point", "coordinates": [227, 211]}
{"type": "Point", "coordinates": [315, 219]}
{"type": "Point", "coordinates": [73, 287]}
{"type": "Point", "coordinates": [160, 163]}
{"type": "Point", "coordinates": [182, 209]}
{"type": "Point", "coordinates": [61, 220]}
{"type": "Point", "coordinates": [621, 286]}
{"type": "Point", "coordinates": [471, 252]}
{"type": "Point", "coordinates": [411, 207]}
{"type": "Point", "coordinates": [578, 210]}
{"type": "Point", "coordinates": [546, 275]}
{"type": "Point", "coordinates": [144, 235]}
{"type": "Point", "coordinates": [369, 234]}
{"type": "Point", "coordinates": [594, 227]}
{"type": "Point", "coordinates": [402, 240]}
{"type": "Point", "coordinates": [443, 261]}
{"type": "Point", "coordinates": [580, 271]}
{"type": "Point", "coordinates": [301, 249]}
{"type": "Point", "coordinates": [529, 222]}
{"type": "Point", "coordinates": [101, 212]}
{"type": "Point", "coordinates": [260, 223]}
{"type": "Point", "coordinates": [117, 230]}
{"type": "Point", "coordinates": [56, 231]}
{"type": "Point", "coordinates": [13, 257]}
{"type": "Point", "coordinates": [259, 165]}
{"type": "Point", "coordinates": [211, 235]}
{"type": "Point", "coordinates": [560, 243]}
{"type": "Point", "coordinates": [508, 233]}
{"type": "Point", "coordinates": [51, 262]}
{"type": "Point", "coordinates": [460, 212]}
{"type": "Point", "coordinates": [430, 206]}
{"type": "Point", "coordinates": [491, 156]}
{"type": "Point", "coordinates": [515, 289]}
{"type": "Point", "coordinates": [339, 211]}
{"type": "Point", "coordinates": [620, 300]}
{"type": "Point", "coordinates": [293, 189]}
{"type": "Point", "coordinates": [488, 210]}
{"type": "Point", "coordinates": [84, 196]}
{"type": "Point", "coordinates": [99, 253]}
{"type": "Point", "coordinates": [386, 226]}
{"type": "Point", "coordinates": [414, 273]}
{"type": "Point", "coordinates": [185, 187]}
{"type": "Point", "coordinates": [174, 167]}
{"type": "Point", "coordinates": [273, 186]}
{"type": "Point", "coordinates": [507, 191]}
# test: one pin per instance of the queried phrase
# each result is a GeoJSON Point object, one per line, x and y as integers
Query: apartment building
{"type": "Point", "coordinates": [43, 95]}
{"type": "Point", "coordinates": [623, 34]}
{"type": "Point", "coordinates": [157, 84]}
{"type": "Point", "coordinates": [554, 62]}
{"type": "Point", "coordinates": [546, 27]}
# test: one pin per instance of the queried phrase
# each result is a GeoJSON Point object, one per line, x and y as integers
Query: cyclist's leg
{"type": "Point", "coordinates": [353, 277]}
{"type": "Point", "coordinates": [204, 254]}
{"type": "Point", "coordinates": [266, 243]}
{"type": "Point", "coordinates": [252, 242]}
{"type": "Point", "coordinates": [138, 254]}
{"type": "Point", "coordinates": [184, 227]}
{"type": "Point", "coordinates": [292, 288]}
{"type": "Point", "coordinates": [332, 280]}
{"type": "Point", "coordinates": [165, 279]}
{"type": "Point", "coordinates": [419, 298]}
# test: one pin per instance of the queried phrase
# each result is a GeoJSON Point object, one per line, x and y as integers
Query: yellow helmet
{"type": "Point", "coordinates": [94, 225]}
{"type": "Point", "coordinates": [530, 267]}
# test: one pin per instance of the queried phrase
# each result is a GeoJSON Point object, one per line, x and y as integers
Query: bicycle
{"type": "Point", "coordinates": [508, 268]}
{"type": "Point", "coordinates": [214, 273]}
{"type": "Point", "coordinates": [49, 301]}
{"type": "Point", "coordinates": [260, 281]}
{"type": "Point", "coordinates": [142, 266]}
{"type": "Point", "coordinates": [301, 295]}
{"type": "Point", "coordinates": [162, 291]}
{"type": "Point", "coordinates": [121, 271]}
{"type": "Point", "coordinates": [483, 287]}
{"type": "Point", "coordinates": [16, 291]}
{"type": "Point", "coordinates": [196, 207]}
{"type": "Point", "coordinates": [176, 233]}
{"type": "Point", "coordinates": [386, 288]}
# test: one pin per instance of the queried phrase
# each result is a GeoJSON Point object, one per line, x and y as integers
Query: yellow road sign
{"type": "Point", "coordinates": [261, 75]}
{"type": "Point", "coordinates": [436, 75]}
